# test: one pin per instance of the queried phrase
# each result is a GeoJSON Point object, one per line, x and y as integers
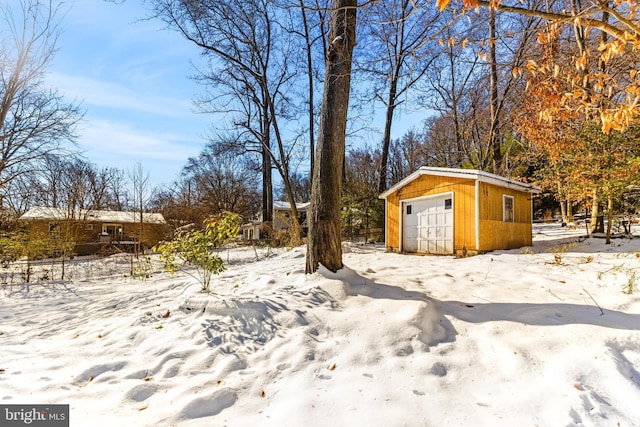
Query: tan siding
{"type": "Point", "coordinates": [494, 232]}
{"type": "Point", "coordinates": [464, 216]}
{"type": "Point", "coordinates": [503, 235]}
{"type": "Point", "coordinates": [393, 222]}
{"type": "Point", "coordinates": [151, 233]}
{"type": "Point", "coordinates": [85, 234]}
{"type": "Point", "coordinates": [38, 228]}
{"type": "Point", "coordinates": [154, 233]}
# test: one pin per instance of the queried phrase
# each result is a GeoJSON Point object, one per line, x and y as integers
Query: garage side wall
{"type": "Point", "coordinates": [464, 229]}
{"type": "Point", "coordinates": [495, 233]}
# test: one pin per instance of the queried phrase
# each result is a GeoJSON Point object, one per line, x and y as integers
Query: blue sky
{"type": "Point", "coordinates": [131, 78]}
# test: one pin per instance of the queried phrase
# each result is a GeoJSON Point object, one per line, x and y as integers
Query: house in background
{"type": "Point", "coordinates": [281, 220]}
{"type": "Point", "coordinates": [447, 211]}
{"type": "Point", "coordinates": [94, 229]}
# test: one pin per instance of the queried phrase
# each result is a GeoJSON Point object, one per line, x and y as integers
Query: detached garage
{"type": "Point", "coordinates": [448, 211]}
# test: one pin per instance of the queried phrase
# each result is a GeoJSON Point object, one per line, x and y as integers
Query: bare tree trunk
{"type": "Point", "coordinates": [597, 223]}
{"type": "Point", "coordinates": [456, 118]}
{"type": "Point", "coordinates": [267, 191]}
{"type": "Point", "coordinates": [309, 58]}
{"type": "Point", "coordinates": [295, 233]}
{"type": "Point", "coordinates": [563, 211]}
{"type": "Point", "coordinates": [609, 217]}
{"type": "Point", "coordinates": [386, 139]}
{"type": "Point", "coordinates": [494, 140]}
{"type": "Point", "coordinates": [283, 168]}
{"type": "Point", "coordinates": [324, 242]}
{"type": "Point", "coordinates": [141, 192]}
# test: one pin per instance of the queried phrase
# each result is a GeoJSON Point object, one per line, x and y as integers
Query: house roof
{"type": "Point", "coordinates": [281, 205]}
{"type": "Point", "coordinates": [463, 173]}
{"type": "Point", "coordinates": [58, 214]}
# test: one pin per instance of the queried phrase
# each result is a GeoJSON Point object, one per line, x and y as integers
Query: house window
{"type": "Point", "coordinates": [448, 203]}
{"type": "Point", "coordinates": [54, 230]}
{"type": "Point", "coordinates": [408, 209]}
{"type": "Point", "coordinates": [507, 208]}
{"type": "Point", "coordinates": [114, 231]}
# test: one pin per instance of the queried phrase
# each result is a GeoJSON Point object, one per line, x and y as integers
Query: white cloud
{"type": "Point", "coordinates": [130, 76]}
{"type": "Point", "coordinates": [120, 145]}
{"type": "Point", "coordinates": [94, 92]}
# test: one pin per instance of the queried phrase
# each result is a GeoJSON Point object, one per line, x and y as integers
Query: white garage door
{"type": "Point", "coordinates": [427, 225]}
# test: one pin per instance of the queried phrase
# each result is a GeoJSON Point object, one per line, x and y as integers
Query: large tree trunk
{"type": "Point", "coordinates": [324, 242]}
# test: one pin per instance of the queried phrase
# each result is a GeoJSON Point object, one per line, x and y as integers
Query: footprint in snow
{"type": "Point", "coordinates": [141, 392]}
{"type": "Point", "coordinates": [208, 406]}
{"type": "Point", "coordinates": [96, 370]}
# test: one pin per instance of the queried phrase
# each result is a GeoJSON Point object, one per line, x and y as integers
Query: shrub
{"type": "Point", "coordinates": [197, 247]}
{"type": "Point", "coordinates": [20, 244]}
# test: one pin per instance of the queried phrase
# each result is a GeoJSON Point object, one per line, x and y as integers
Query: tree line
{"type": "Point", "coordinates": [544, 91]}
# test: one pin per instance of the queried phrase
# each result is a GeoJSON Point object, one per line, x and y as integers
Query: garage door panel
{"type": "Point", "coordinates": [423, 233]}
{"type": "Point", "coordinates": [411, 241]}
{"type": "Point", "coordinates": [428, 225]}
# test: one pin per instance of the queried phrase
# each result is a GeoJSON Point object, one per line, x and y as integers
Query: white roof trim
{"type": "Point", "coordinates": [463, 173]}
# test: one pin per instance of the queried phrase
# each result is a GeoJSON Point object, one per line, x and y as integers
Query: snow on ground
{"type": "Point", "coordinates": [539, 336]}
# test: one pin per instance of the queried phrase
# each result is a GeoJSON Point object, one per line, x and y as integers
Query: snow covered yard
{"type": "Point", "coordinates": [541, 336]}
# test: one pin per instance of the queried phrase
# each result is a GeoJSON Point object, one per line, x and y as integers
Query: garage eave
{"type": "Point", "coordinates": [462, 173]}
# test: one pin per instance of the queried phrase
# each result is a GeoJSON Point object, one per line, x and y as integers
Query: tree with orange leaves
{"type": "Point", "coordinates": [612, 98]}
{"type": "Point", "coordinates": [549, 142]}
{"type": "Point", "coordinates": [581, 161]}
